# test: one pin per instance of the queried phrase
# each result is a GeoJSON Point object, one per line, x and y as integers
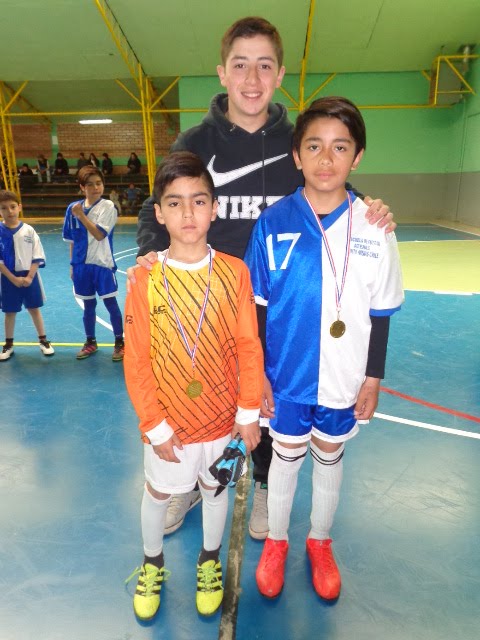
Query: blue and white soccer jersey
{"type": "Point", "coordinates": [21, 247]}
{"type": "Point", "coordinates": [92, 260]}
{"type": "Point", "coordinates": [291, 274]}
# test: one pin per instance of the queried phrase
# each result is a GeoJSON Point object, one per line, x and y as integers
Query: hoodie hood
{"type": "Point", "coordinates": [277, 123]}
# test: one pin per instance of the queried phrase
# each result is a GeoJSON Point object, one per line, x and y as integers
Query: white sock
{"type": "Point", "coordinates": [282, 482]}
{"type": "Point", "coordinates": [153, 516]}
{"type": "Point", "coordinates": [214, 516]}
{"type": "Point", "coordinates": [326, 482]}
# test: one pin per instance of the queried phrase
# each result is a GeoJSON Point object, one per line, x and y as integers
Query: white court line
{"type": "Point", "coordinates": [446, 226]}
{"type": "Point", "coordinates": [128, 253]}
{"type": "Point", "coordinates": [117, 257]}
{"type": "Point", "coordinates": [81, 304]}
{"type": "Point", "coordinates": [426, 425]}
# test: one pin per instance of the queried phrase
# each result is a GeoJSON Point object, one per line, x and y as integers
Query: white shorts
{"type": "Point", "coordinates": [181, 477]}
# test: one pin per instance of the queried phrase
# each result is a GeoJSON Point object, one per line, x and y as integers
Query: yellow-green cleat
{"type": "Point", "coordinates": [209, 587]}
{"type": "Point", "coordinates": [146, 600]}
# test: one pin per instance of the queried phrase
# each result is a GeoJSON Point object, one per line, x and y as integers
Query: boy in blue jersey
{"type": "Point", "coordinates": [326, 283]}
{"type": "Point", "coordinates": [21, 255]}
{"type": "Point", "coordinates": [88, 227]}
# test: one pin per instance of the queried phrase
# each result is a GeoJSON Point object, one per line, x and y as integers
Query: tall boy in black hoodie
{"type": "Point", "coordinates": [245, 141]}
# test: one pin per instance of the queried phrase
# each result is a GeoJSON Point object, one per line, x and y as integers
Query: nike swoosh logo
{"type": "Point", "coordinates": [219, 179]}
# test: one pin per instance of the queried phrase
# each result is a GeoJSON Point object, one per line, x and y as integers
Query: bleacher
{"type": "Point", "coordinates": [50, 199]}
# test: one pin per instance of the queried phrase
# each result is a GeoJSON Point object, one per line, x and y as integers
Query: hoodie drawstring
{"type": "Point", "coordinates": [264, 197]}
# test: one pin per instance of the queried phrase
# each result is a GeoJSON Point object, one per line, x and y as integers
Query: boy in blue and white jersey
{"type": "Point", "coordinates": [21, 255]}
{"type": "Point", "coordinates": [88, 227]}
{"type": "Point", "coordinates": [326, 283]}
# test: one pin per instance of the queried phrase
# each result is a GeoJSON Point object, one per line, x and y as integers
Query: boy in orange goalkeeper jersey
{"type": "Point", "coordinates": [194, 372]}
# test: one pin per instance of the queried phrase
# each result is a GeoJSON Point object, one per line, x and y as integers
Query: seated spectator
{"type": "Point", "coordinates": [134, 165]}
{"type": "Point", "coordinates": [26, 176]}
{"type": "Point", "coordinates": [115, 198]}
{"type": "Point", "coordinates": [107, 165]}
{"type": "Point", "coordinates": [82, 161]}
{"type": "Point", "coordinates": [61, 169]}
{"type": "Point", "coordinates": [25, 170]}
{"type": "Point", "coordinates": [132, 198]}
{"type": "Point", "coordinates": [43, 168]}
{"type": "Point", "coordinates": [93, 160]}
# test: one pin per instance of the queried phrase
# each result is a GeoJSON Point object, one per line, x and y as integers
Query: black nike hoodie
{"type": "Point", "coordinates": [250, 171]}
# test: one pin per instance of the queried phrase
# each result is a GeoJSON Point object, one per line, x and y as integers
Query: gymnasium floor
{"type": "Point", "coordinates": [406, 534]}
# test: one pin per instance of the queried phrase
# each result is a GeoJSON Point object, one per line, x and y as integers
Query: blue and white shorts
{"type": "Point", "coordinates": [294, 422]}
{"type": "Point", "coordinates": [13, 297]}
{"type": "Point", "coordinates": [90, 280]}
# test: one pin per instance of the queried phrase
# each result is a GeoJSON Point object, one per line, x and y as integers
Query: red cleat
{"type": "Point", "coordinates": [325, 574]}
{"type": "Point", "coordinates": [271, 568]}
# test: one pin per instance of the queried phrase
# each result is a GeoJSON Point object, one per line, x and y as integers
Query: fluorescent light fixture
{"type": "Point", "coordinates": [102, 121]}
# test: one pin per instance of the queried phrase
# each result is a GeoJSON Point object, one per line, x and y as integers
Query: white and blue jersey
{"type": "Point", "coordinates": [21, 247]}
{"type": "Point", "coordinates": [87, 250]}
{"type": "Point", "coordinates": [292, 276]}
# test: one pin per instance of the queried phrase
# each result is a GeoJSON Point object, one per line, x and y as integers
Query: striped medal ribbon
{"type": "Point", "coordinates": [337, 328]}
{"type": "Point", "coordinates": [194, 387]}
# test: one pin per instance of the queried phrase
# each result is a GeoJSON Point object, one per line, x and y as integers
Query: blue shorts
{"type": "Point", "coordinates": [13, 297]}
{"type": "Point", "coordinates": [90, 280]}
{"type": "Point", "coordinates": [296, 422]}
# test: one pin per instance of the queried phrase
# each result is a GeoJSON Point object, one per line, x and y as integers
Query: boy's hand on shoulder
{"type": "Point", "coordinates": [379, 212]}
{"type": "Point", "coordinates": [131, 277]}
{"type": "Point", "coordinates": [267, 408]}
{"type": "Point", "coordinates": [148, 260]}
{"type": "Point", "coordinates": [250, 434]}
{"type": "Point", "coordinates": [367, 400]}
{"type": "Point", "coordinates": [166, 451]}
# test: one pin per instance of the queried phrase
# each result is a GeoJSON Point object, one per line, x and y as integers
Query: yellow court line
{"type": "Point", "coordinates": [450, 266]}
{"type": "Point", "coordinates": [62, 344]}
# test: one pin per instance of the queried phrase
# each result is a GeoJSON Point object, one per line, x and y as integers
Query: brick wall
{"type": "Point", "coordinates": [117, 139]}
{"type": "Point", "coordinates": [31, 139]}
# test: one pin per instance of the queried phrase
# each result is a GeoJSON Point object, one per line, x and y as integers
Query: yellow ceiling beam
{"type": "Point", "coordinates": [126, 51]}
{"type": "Point", "coordinates": [127, 90]}
{"type": "Point", "coordinates": [435, 75]}
{"type": "Point", "coordinates": [15, 96]}
{"type": "Point", "coordinates": [120, 40]}
{"type": "Point", "coordinates": [22, 102]}
{"type": "Point", "coordinates": [8, 161]}
{"type": "Point", "coordinates": [164, 93]}
{"type": "Point", "coordinates": [306, 51]}
{"type": "Point", "coordinates": [291, 98]}
{"type": "Point", "coordinates": [322, 86]}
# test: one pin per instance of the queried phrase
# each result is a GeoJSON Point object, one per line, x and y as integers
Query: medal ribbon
{"type": "Point", "coordinates": [338, 290]}
{"type": "Point", "coordinates": [182, 331]}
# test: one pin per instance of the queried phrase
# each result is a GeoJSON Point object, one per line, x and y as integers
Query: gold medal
{"type": "Point", "coordinates": [337, 329]}
{"type": "Point", "coordinates": [194, 389]}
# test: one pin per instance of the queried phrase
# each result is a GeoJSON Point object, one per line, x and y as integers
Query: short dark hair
{"type": "Point", "coordinates": [332, 107]}
{"type": "Point", "coordinates": [248, 28]}
{"type": "Point", "coordinates": [8, 196]}
{"type": "Point", "coordinates": [86, 172]}
{"type": "Point", "coordinates": [180, 164]}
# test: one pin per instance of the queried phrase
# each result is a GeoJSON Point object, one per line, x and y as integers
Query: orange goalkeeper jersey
{"type": "Point", "coordinates": [229, 359]}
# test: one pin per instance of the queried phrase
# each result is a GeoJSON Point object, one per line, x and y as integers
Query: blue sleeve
{"type": "Point", "coordinates": [67, 225]}
{"type": "Point", "coordinates": [256, 258]}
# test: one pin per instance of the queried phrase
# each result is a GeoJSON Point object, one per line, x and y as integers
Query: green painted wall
{"type": "Point", "coordinates": [398, 140]}
{"type": "Point", "coordinates": [471, 136]}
